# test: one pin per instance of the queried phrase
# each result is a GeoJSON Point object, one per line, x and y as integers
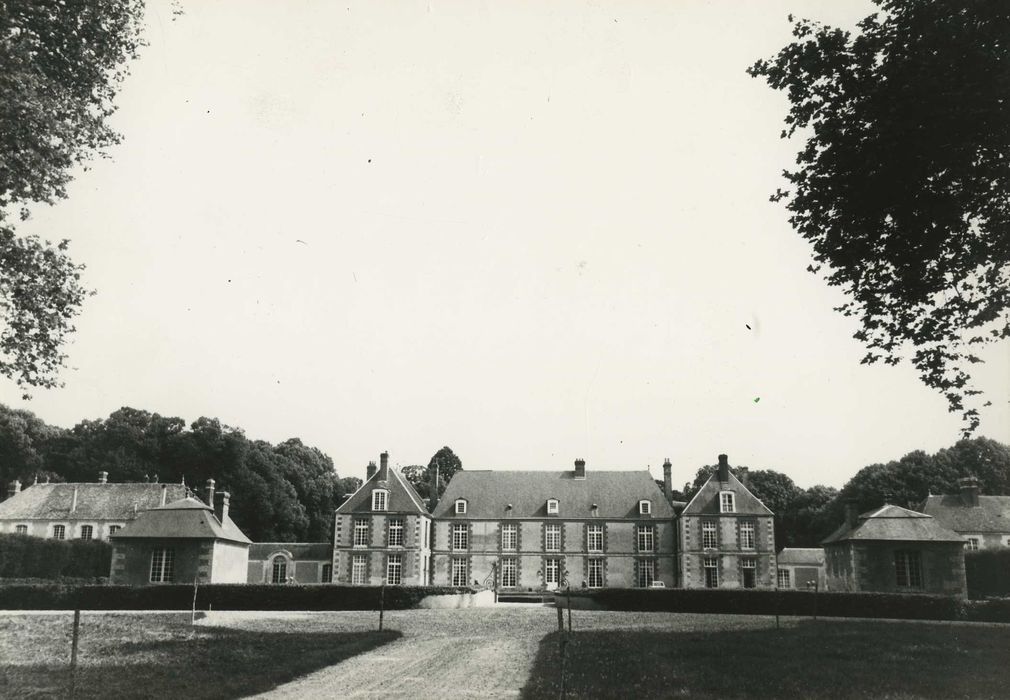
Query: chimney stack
{"type": "Point", "coordinates": [164, 494]}
{"type": "Point", "coordinates": [384, 466]}
{"type": "Point", "coordinates": [209, 500]}
{"type": "Point", "coordinates": [433, 494]}
{"type": "Point", "coordinates": [723, 468]}
{"type": "Point", "coordinates": [221, 506]}
{"type": "Point", "coordinates": [370, 471]}
{"type": "Point", "coordinates": [103, 477]}
{"type": "Point", "coordinates": [73, 503]}
{"type": "Point", "coordinates": [969, 491]}
{"type": "Point", "coordinates": [851, 512]}
{"type": "Point", "coordinates": [580, 468]}
{"type": "Point", "coordinates": [14, 489]}
{"type": "Point", "coordinates": [668, 480]}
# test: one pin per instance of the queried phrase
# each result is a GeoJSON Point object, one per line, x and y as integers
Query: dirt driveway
{"type": "Point", "coordinates": [486, 652]}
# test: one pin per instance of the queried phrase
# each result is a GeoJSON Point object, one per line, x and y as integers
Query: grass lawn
{"type": "Point", "coordinates": [805, 659]}
{"type": "Point", "coordinates": [162, 656]}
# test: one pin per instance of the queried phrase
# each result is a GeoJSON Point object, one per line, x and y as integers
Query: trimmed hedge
{"type": "Point", "coordinates": [988, 572]}
{"type": "Point", "coordinates": [800, 603]}
{"type": "Point", "coordinates": [239, 596]}
{"type": "Point", "coordinates": [23, 556]}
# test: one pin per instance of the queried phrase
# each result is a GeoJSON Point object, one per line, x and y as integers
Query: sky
{"type": "Point", "coordinates": [530, 231]}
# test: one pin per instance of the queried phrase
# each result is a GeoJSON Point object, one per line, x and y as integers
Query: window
{"type": "Point", "coordinates": [748, 572]}
{"type": "Point", "coordinates": [646, 572]}
{"type": "Point", "coordinates": [87, 532]}
{"type": "Point", "coordinates": [552, 576]}
{"type": "Point", "coordinates": [394, 569]}
{"type": "Point", "coordinates": [908, 567]}
{"type": "Point", "coordinates": [727, 503]}
{"type": "Point", "coordinates": [360, 533]}
{"type": "Point", "coordinates": [747, 535]}
{"type": "Point", "coordinates": [460, 506]}
{"type": "Point", "coordinates": [645, 507]}
{"type": "Point", "coordinates": [163, 566]}
{"type": "Point", "coordinates": [460, 537]}
{"type": "Point", "coordinates": [379, 499]}
{"type": "Point", "coordinates": [396, 532]}
{"type": "Point", "coordinates": [509, 537]}
{"type": "Point", "coordinates": [646, 538]}
{"type": "Point", "coordinates": [594, 538]}
{"type": "Point", "coordinates": [427, 532]}
{"type": "Point", "coordinates": [358, 577]}
{"type": "Point", "coordinates": [971, 544]}
{"type": "Point", "coordinates": [552, 538]}
{"type": "Point", "coordinates": [783, 579]}
{"type": "Point", "coordinates": [279, 571]}
{"type": "Point", "coordinates": [709, 537]}
{"type": "Point", "coordinates": [326, 575]}
{"type": "Point", "coordinates": [59, 532]}
{"type": "Point", "coordinates": [552, 506]}
{"type": "Point", "coordinates": [113, 529]}
{"type": "Point", "coordinates": [711, 572]}
{"type": "Point", "coordinates": [459, 572]}
{"type": "Point", "coordinates": [21, 529]}
{"type": "Point", "coordinates": [595, 573]}
{"type": "Point", "coordinates": [508, 572]}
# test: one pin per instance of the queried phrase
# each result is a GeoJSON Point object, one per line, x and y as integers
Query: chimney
{"type": "Point", "coordinates": [851, 512]}
{"type": "Point", "coordinates": [580, 468]}
{"type": "Point", "coordinates": [209, 500]}
{"type": "Point", "coordinates": [969, 491]}
{"type": "Point", "coordinates": [103, 477]}
{"type": "Point", "coordinates": [667, 480]}
{"type": "Point", "coordinates": [370, 471]}
{"type": "Point", "coordinates": [723, 468]}
{"type": "Point", "coordinates": [743, 474]}
{"type": "Point", "coordinates": [164, 494]}
{"type": "Point", "coordinates": [73, 503]}
{"type": "Point", "coordinates": [433, 494]}
{"type": "Point", "coordinates": [14, 489]}
{"type": "Point", "coordinates": [221, 506]}
{"type": "Point", "coordinates": [384, 466]}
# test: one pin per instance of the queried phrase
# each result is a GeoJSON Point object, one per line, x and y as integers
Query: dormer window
{"type": "Point", "coordinates": [552, 506]}
{"type": "Point", "coordinates": [460, 508]}
{"type": "Point", "coordinates": [727, 502]}
{"type": "Point", "coordinates": [380, 499]}
{"type": "Point", "coordinates": [645, 507]}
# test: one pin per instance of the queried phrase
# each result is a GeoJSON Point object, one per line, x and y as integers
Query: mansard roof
{"type": "Point", "coordinates": [402, 496]}
{"type": "Point", "coordinates": [706, 501]}
{"type": "Point", "coordinates": [892, 522]}
{"type": "Point", "coordinates": [95, 501]}
{"type": "Point", "coordinates": [992, 514]}
{"type": "Point", "coordinates": [615, 493]}
{"type": "Point", "coordinates": [187, 518]}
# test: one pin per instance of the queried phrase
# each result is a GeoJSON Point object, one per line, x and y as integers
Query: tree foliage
{"type": "Point", "coordinates": [285, 492]}
{"type": "Point", "coordinates": [61, 65]}
{"type": "Point", "coordinates": [447, 464]}
{"type": "Point", "coordinates": [903, 185]}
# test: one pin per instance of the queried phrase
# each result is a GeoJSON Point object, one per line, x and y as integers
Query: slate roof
{"type": "Point", "coordinates": [95, 501]}
{"type": "Point", "coordinates": [801, 556]}
{"type": "Point", "coordinates": [188, 518]}
{"type": "Point", "coordinates": [300, 551]}
{"type": "Point", "coordinates": [894, 523]}
{"type": "Point", "coordinates": [706, 501]}
{"type": "Point", "coordinates": [616, 493]}
{"type": "Point", "coordinates": [991, 515]}
{"type": "Point", "coordinates": [402, 496]}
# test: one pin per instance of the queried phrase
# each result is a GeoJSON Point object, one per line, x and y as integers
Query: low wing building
{"type": "Point", "coordinates": [982, 521]}
{"type": "Point", "coordinates": [291, 562]}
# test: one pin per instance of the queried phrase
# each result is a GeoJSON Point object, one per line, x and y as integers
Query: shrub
{"type": "Point", "coordinates": [988, 572]}
{"type": "Point", "coordinates": [23, 556]}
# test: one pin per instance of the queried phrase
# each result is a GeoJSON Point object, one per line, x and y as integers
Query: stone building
{"type": "Point", "coordinates": [382, 532]}
{"type": "Point", "coordinates": [801, 568]}
{"type": "Point", "coordinates": [982, 521]}
{"type": "Point", "coordinates": [726, 536]}
{"type": "Point", "coordinates": [894, 550]}
{"type": "Point", "coordinates": [537, 530]}
{"type": "Point", "coordinates": [182, 542]}
{"type": "Point", "coordinates": [291, 562]}
{"type": "Point", "coordinates": [86, 511]}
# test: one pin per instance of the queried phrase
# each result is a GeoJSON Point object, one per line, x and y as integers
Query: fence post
{"type": "Point", "coordinates": [816, 589]}
{"type": "Point", "coordinates": [192, 620]}
{"type": "Point", "coordinates": [73, 652]}
{"type": "Point", "coordinates": [382, 604]}
{"type": "Point", "coordinates": [568, 598]}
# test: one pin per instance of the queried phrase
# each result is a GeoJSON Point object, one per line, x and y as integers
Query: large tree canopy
{"type": "Point", "coordinates": [903, 185]}
{"type": "Point", "coordinates": [61, 64]}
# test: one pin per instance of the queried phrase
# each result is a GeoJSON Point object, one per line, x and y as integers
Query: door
{"type": "Point", "coordinates": [551, 574]}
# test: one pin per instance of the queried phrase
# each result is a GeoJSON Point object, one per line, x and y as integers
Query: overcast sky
{"type": "Point", "coordinates": [530, 231]}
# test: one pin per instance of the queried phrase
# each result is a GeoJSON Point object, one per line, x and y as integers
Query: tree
{"type": "Point", "coordinates": [903, 185]}
{"type": "Point", "coordinates": [447, 463]}
{"type": "Point", "coordinates": [61, 65]}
